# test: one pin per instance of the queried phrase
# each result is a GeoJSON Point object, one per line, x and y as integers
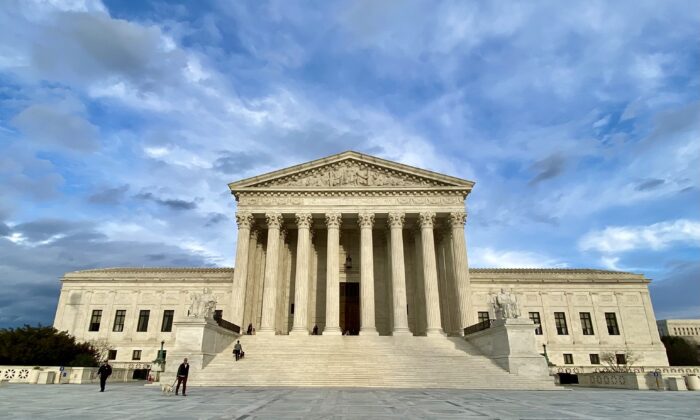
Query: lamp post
{"type": "Point", "coordinates": [160, 360]}
{"type": "Point", "coordinates": [544, 346]}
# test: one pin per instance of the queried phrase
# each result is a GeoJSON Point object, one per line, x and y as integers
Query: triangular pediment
{"type": "Point", "coordinates": [350, 170]}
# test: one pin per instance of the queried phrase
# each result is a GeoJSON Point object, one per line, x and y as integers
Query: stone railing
{"type": "Point", "coordinates": [54, 374]}
{"type": "Point", "coordinates": [679, 370]}
{"type": "Point", "coordinates": [228, 325]}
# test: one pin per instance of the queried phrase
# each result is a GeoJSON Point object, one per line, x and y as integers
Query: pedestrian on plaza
{"type": "Point", "coordinates": [237, 350]}
{"type": "Point", "coordinates": [182, 372]}
{"type": "Point", "coordinates": [249, 331]}
{"type": "Point", "coordinates": [103, 372]}
{"type": "Point", "coordinates": [315, 330]}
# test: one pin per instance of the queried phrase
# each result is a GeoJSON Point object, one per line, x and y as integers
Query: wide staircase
{"type": "Point", "coordinates": [361, 361]}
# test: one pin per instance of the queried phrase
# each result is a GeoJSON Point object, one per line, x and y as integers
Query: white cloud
{"type": "Point", "coordinates": [615, 239]}
{"type": "Point", "coordinates": [489, 257]}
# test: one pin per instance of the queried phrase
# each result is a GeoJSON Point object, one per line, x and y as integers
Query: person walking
{"type": "Point", "coordinates": [182, 372]}
{"type": "Point", "coordinates": [237, 350]}
{"type": "Point", "coordinates": [103, 372]}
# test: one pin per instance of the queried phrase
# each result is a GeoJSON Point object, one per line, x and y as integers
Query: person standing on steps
{"type": "Point", "coordinates": [249, 331]}
{"type": "Point", "coordinates": [237, 350]}
{"type": "Point", "coordinates": [182, 372]}
{"type": "Point", "coordinates": [103, 372]}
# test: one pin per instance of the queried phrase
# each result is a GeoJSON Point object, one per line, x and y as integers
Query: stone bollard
{"type": "Point", "coordinates": [676, 384]}
{"type": "Point", "coordinates": [693, 382]}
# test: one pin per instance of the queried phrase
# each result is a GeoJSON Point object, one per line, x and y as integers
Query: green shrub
{"type": "Point", "coordinates": [44, 346]}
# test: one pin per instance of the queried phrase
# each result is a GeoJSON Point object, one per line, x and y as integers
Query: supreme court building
{"type": "Point", "coordinates": [359, 248]}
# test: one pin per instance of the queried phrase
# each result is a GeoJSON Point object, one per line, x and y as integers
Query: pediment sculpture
{"type": "Point", "coordinates": [350, 173]}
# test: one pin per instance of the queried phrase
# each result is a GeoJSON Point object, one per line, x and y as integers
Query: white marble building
{"type": "Point", "coordinates": [359, 245]}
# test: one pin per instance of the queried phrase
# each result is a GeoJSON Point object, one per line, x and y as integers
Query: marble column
{"type": "Point", "coordinates": [301, 280]}
{"type": "Point", "coordinates": [460, 266]}
{"type": "Point", "coordinates": [267, 324]}
{"type": "Point", "coordinates": [367, 323]}
{"type": "Point", "coordinates": [432, 298]}
{"type": "Point", "coordinates": [240, 273]}
{"type": "Point", "coordinates": [398, 274]}
{"type": "Point", "coordinates": [333, 221]}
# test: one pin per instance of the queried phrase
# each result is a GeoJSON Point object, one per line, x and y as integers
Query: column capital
{"type": "Point", "coordinates": [244, 219]}
{"type": "Point", "coordinates": [274, 220]}
{"type": "Point", "coordinates": [458, 219]}
{"type": "Point", "coordinates": [365, 220]}
{"type": "Point", "coordinates": [303, 220]}
{"type": "Point", "coordinates": [396, 220]}
{"type": "Point", "coordinates": [426, 219]}
{"type": "Point", "coordinates": [334, 220]}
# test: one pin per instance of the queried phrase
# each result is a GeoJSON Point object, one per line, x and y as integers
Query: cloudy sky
{"type": "Point", "coordinates": [122, 122]}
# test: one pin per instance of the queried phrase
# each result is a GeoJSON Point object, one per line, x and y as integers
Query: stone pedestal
{"type": "Point", "coordinates": [199, 340]}
{"type": "Point", "coordinates": [46, 377]}
{"type": "Point", "coordinates": [511, 344]}
{"type": "Point", "coordinates": [693, 382]}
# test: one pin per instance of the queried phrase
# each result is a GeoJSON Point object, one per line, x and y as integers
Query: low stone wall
{"type": "Point", "coordinates": [642, 381]}
{"type": "Point", "coordinates": [69, 375]}
{"type": "Point", "coordinates": [675, 370]}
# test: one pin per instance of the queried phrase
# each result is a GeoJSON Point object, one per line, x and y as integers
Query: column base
{"type": "Point", "coordinates": [368, 331]}
{"type": "Point", "coordinates": [265, 332]}
{"type": "Point", "coordinates": [332, 331]}
{"type": "Point", "coordinates": [435, 332]}
{"type": "Point", "coordinates": [402, 332]}
{"type": "Point", "coordinates": [299, 332]}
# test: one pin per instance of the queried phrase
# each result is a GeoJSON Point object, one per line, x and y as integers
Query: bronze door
{"type": "Point", "coordinates": [350, 308]}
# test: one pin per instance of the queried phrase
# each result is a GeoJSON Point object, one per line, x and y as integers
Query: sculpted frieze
{"type": "Point", "coordinates": [350, 173]}
{"type": "Point", "coordinates": [264, 200]}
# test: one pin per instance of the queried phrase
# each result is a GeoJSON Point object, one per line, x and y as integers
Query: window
{"type": "Point", "coordinates": [136, 355]}
{"type": "Point", "coordinates": [586, 324]}
{"type": "Point", "coordinates": [595, 359]}
{"type": "Point", "coordinates": [483, 317]}
{"type": "Point", "coordinates": [218, 314]}
{"type": "Point", "coordinates": [611, 322]}
{"type": "Point", "coordinates": [535, 317]}
{"type": "Point", "coordinates": [560, 321]}
{"type": "Point", "coordinates": [568, 359]}
{"type": "Point", "coordinates": [111, 355]}
{"type": "Point", "coordinates": [620, 359]}
{"type": "Point", "coordinates": [168, 316]}
{"type": "Point", "coordinates": [95, 320]}
{"type": "Point", "coordinates": [119, 320]}
{"type": "Point", "coordinates": [142, 326]}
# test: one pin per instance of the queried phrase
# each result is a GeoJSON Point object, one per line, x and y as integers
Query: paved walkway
{"type": "Point", "coordinates": [121, 401]}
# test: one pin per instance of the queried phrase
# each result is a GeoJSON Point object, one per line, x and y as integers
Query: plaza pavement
{"type": "Point", "coordinates": [134, 401]}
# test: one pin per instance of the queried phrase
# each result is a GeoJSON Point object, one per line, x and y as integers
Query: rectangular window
{"type": "Point", "coordinates": [595, 359]}
{"type": "Point", "coordinates": [611, 322]}
{"type": "Point", "coordinates": [136, 355]}
{"type": "Point", "coordinates": [95, 320]}
{"type": "Point", "coordinates": [560, 322]}
{"type": "Point", "coordinates": [111, 355]}
{"type": "Point", "coordinates": [218, 314]}
{"type": "Point", "coordinates": [483, 317]}
{"type": "Point", "coordinates": [535, 317]}
{"type": "Point", "coordinates": [142, 326]}
{"type": "Point", "coordinates": [119, 320]}
{"type": "Point", "coordinates": [620, 359]}
{"type": "Point", "coordinates": [586, 324]}
{"type": "Point", "coordinates": [168, 316]}
{"type": "Point", "coordinates": [568, 359]}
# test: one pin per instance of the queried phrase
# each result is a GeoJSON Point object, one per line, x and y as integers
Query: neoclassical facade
{"type": "Point", "coordinates": [356, 245]}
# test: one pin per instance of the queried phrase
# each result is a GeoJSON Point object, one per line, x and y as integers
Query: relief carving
{"type": "Point", "coordinates": [351, 173]}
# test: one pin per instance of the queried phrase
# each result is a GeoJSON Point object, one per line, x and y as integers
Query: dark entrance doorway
{"type": "Point", "coordinates": [350, 308]}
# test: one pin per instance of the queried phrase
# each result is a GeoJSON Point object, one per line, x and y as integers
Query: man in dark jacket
{"type": "Point", "coordinates": [182, 373]}
{"type": "Point", "coordinates": [103, 372]}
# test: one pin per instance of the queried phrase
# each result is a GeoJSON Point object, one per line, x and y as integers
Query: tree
{"type": "Point", "coordinates": [44, 346]}
{"type": "Point", "coordinates": [680, 352]}
{"type": "Point", "coordinates": [619, 361]}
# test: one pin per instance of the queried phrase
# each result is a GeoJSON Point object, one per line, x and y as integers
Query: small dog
{"type": "Point", "coordinates": [166, 389]}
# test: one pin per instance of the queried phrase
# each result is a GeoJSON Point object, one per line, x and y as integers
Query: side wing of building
{"type": "Point", "coordinates": [132, 310]}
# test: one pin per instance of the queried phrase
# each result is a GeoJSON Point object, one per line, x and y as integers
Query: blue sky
{"type": "Point", "coordinates": [122, 122]}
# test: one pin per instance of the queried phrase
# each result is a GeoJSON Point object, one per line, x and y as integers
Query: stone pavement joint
{"type": "Point", "coordinates": [120, 401]}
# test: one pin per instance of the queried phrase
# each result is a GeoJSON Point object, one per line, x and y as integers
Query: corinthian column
{"type": "Point", "coordinates": [398, 274]}
{"type": "Point", "coordinates": [244, 220]}
{"type": "Point", "coordinates": [333, 221]}
{"type": "Point", "coordinates": [367, 327]}
{"type": "Point", "coordinates": [301, 280]}
{"type": "Point", "coordinates": [432, 297]}
{"type": "Point", "coordinates": [460, 266]}
{"type": "Point", "coordinates": [267, 324]}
